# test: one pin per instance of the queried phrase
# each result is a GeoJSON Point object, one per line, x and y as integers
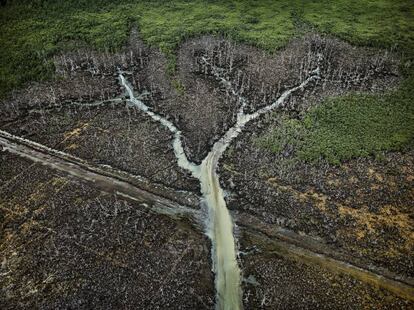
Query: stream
{"type": "Point", "coordinates": [219, 226]}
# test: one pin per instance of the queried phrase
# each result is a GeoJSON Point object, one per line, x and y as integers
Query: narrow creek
{"type": "Point", "coordinates": [219, 226]}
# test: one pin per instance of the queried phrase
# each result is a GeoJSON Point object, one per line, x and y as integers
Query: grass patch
{"type": "Point", "coordinates": [379, 23]}
{"type": "Point", "coordinates": [346, 127]}
{"type": "Point", "coordinates": [32, 31]}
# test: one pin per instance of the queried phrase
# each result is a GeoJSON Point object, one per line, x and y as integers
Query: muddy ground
{"type": "Point", "coordinates": [66, 245]}
{"type": "Point", "coordinates": [273, 281]}
{"type": "Point", "coordinates": [362, 209]}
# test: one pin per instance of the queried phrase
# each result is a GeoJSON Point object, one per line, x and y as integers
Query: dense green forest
{"type": "Point", "coordinates": [33, 31]}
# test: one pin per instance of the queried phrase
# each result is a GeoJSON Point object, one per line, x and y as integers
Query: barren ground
{"type": "Point", "coordinates": [66, 245]}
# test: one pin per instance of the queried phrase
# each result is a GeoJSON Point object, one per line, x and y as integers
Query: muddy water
{"type": "Point", "coordinates": [219, 226]}
{"type": "Point", "coordinates": [220, 231]}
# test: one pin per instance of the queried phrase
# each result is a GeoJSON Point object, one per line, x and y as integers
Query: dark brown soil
{"type": "Point", "coordinates": [276, 282]}
{"type": "Point", "coordinates": [112, 135]}
{"type": "Point", "coordinates": [64, 244]}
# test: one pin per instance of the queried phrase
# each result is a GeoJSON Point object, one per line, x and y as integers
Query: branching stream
{"type": "Point", "coordinates": [219, 226]}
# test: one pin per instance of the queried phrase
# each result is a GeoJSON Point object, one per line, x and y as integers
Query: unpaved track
{"type": "Point", "coordinates": [104, 180]}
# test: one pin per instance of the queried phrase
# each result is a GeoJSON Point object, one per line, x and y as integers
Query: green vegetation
{"type": "Point", "coordinates": [345, 127]}
{"type": "Point", "coordinates": [378, 23]}
{"type": "Point", "coordinates": [32, 31]}
{"type": "Point", "coordinates": [356, 125]}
